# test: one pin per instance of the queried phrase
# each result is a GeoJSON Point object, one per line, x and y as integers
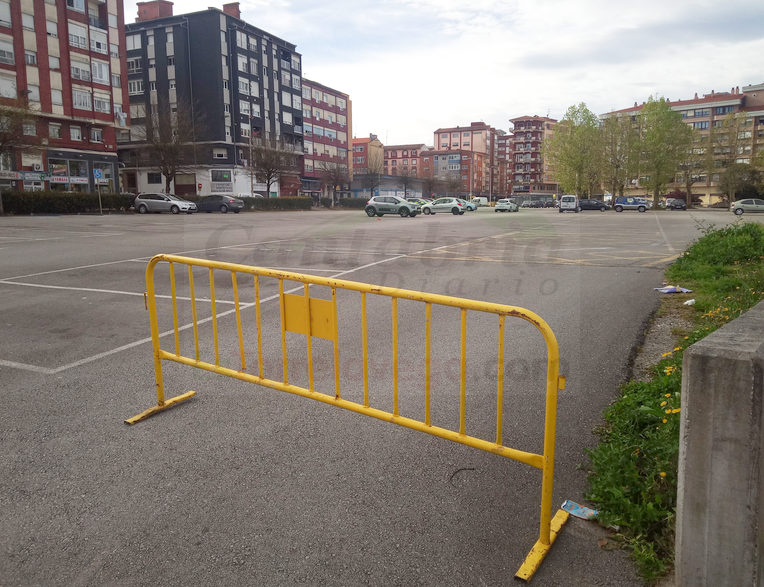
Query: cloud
{"type": "Point", "coordinates": [411, 66]}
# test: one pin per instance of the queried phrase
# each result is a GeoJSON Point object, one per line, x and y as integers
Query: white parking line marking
{"type": "Point", "coordinates": [109, 291]}
{"type": "Point", "coordinates": [185, 326]}
{"type": "Point", "coordinates": [665, 238]}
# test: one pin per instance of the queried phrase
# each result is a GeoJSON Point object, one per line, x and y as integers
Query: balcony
{"type": "Point", "coordinates": [98, 23]}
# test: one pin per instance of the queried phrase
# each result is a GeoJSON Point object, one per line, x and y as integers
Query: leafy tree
{"type": "Point", "coordinates": [14, 116]}
{"type": "Point", "coordinates": [665, 140]}
{"type": "Point", "coordinates": [272, 160]}
{"type": "Point", "coordinates": [729, 142]}
{"type": "Point", "coordinates": [575, 151]}
{"type": "Point", "coordinates": [697, 160]}
{"type": "Point", "coordinates": [171, 136]}
{"type": "Point", "coordinates": [620, 152]}
{"type": "Point", "coordinates": [334, 175]}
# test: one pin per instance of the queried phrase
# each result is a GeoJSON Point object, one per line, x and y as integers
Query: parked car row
{"type": "Point", "coordinates": [158, 202]}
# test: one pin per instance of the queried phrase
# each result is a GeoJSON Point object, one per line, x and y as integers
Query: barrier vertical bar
{"type": "Point", "coordinates": [365, 336]}
{"type": "Point", "coordinates": [238, 320]}
{"type": "Point", "coordinates": [395, 356]}
{"type": "Point", "coordinates": [259, 331]}
{"type": "Point", "coordinates": [336, 346]}
{"type": "Point", "coordinates": [463, 390]}
{"type": "Point", "coordinates": [282, 304]}
{"type": "Point", "coordinates": [500, 384]}
{"type": "Point", "coordinates": [214, 319]}
{"type": "Point", "coordinates": [150, 294]}
{"type": "Point", "coordinates": [428, 332]}
{"type": "Point", "coordinates": [174, 309]}
{"type": "Point", "coordinates": [193, 310]}
{"type": "Point", "coordinates": [310, 335]}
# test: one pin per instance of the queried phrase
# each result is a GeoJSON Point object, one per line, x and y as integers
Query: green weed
{"type": "Point", "coordinates": [633, 477]}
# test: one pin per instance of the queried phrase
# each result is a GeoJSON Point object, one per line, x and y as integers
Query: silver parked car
{"type": "Point", "coordinates": [154, 202]}
{"type": "Point", "coordinates": [750, 205]}
{"type": "Point", "coordinates": [452, 205]}
{"type": "Point", "coordinates": [381, 205]}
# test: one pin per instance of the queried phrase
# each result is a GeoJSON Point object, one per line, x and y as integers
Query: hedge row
{"type": "Point", "coordinates": [299, 203]}
{"type": "Point", "coordinates": [56, 202]}
{"type": "Point", "coordinates": [352, 202]}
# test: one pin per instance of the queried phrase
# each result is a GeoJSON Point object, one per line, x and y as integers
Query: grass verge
{"type": "Point", "coordinates": [633, 476]}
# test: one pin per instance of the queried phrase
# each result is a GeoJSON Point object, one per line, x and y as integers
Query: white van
{"type": "Point", "coordinates": [479, 201]}
{"type": "Point", "coordinates": [569, 202]}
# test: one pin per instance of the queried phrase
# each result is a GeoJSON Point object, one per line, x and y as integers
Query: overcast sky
{"type": "Point", "coordinates": [412, 66]}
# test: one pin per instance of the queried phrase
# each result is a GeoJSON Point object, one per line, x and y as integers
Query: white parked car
{"type": "Point", "coordinates": [505, 205]}
{"type": "Point", "coordinates": [452, 205]}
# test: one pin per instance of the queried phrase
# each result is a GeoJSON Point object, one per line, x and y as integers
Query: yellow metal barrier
{"type": "Point", "coordinates": [318, 318]}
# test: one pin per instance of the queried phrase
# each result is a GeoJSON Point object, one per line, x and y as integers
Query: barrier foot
{"type": "Point", "coordinates": [156, 409]}
{"type": "Point", "coordinates": [540, 550]}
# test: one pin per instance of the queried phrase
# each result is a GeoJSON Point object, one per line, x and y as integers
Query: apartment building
{"type": "Point", "coordinates": [235, 82]}
{"type": "Point", "coordinates": [504, 157]}
{"type": "Point", "coordinates": [404, 157]}
{"type": "Point", "coordinates": [368, 155]}
{"type": "Point", "coordinates": [704, 114]}
{"type": "Point", "coordinates": [66, 59]}
{"type": "Point", "coordinates": [327, 126]}
{"type": "Point", "coordinates": [478, 157]}
{"type": "Point", "coordinates": [531, 176]}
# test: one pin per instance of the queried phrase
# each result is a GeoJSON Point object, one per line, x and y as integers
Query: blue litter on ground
{"type": "Point", "coordinates": [579, 511]}
{"type": "Point", "coordinates": [672, 289]}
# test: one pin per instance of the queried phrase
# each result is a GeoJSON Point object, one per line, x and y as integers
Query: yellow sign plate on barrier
{"type": "Point", "coordinates": [321, 316]}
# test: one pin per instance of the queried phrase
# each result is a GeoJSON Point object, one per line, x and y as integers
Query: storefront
{"type": "Point", "coordinates": [82, 172]}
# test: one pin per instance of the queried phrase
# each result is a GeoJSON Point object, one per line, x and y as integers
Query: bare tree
{"type": "Point", "coordinates": [453, 183]}
{"type": "Point", "coordinates": [375, 169]}
{"type": "Point", "coordinates": [334, 175]}
{"type": "Point", "coordinates": [171, 135]}
{"type": "Point", "coordinates": [406, 176]}
{"type": "Point", "coordinates": [429, 182]}
{"type": "Point", "coordinates": [15, 118]}
{"type": "Point", "coordinates": [273, 160]}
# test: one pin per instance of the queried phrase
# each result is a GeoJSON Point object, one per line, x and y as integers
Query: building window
{"type": "Point", "coordinates": [171, 61]}
{"type": "Point", "coordinates": [54, 62]}
{"type": "Point", "coordinates": [74, 133]}
{"type": "Point", "coordinates": [78, 5]}
{"type": "Point", "coordinates": [153, 86]}
{"type": "Point", "coordinates": [54, 130]}
{"type": "Point", "coordinates": [30, 128]}
{"type": "Point", "coordinates": [99, 42]}
{"type": "Point", "coordinates": [113, 21]}
{"type": "Point", "coordinates": [169, 37]}
{"type": "Point", "coordinates": [134, 65]}
{"type": "Point", "coordinates": [135, 87]}
{"type": "Point", "coordinates": [57, 97]}
{"type": "Point", "coordinates": [132, 42]}
{"type": "Point", "coordinates": [700, 125]}
{"type": "Point", "coordinates": [5, 14]}
{"type": "Point", "coordinates": [6, 53]}
{"type": "Point", "coordinates": [81, 72]}
{"type": "Point", "coordinates": [30, 57]}
{"type": "Point", "coordinates": [244, 107]}
{"type": "Point", "coordinates": [96, 135]}
{"type": "Point", "coordinates": [244, 87]}
{"type": "Point", "coordinates": [100, 72]}
{"type": "Point", "coordinates": [306, 92]}
{"type": "Point", "coordinates": [102, 105]}
{"type": "Point", "coordinates": [153, 177]}
{"type": "Point", "coordinates": [78, 36]}
{"type": "Point", "coordinates": [172, 84]}
{"type": "Point", "coordinates": [27, 21]}
{"type": "Point", "coordinates": [116, 81]}
{"type": "Point", "coordinates": [81, 100]}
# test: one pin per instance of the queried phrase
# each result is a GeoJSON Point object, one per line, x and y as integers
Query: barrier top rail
{"type": "Point", "coordinates": [316, 317]}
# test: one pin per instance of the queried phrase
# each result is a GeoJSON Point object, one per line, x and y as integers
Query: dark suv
{"type": "Point", "coordinates": [593, 205]}
{"type": "Point", "coordinates": [222, 203]}
{"type": "Point", "coordinates": [676, 204]}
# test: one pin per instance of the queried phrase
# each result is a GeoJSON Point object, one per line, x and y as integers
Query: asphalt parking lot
{"type": "Point", "coordinates": [246, 485]}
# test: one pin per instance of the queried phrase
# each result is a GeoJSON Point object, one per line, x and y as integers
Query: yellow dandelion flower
{"type": "Point", "coordinates": [664, 420]}
{"type": "Point", "coordinates": [663, 474]}
{"type": "Point", "coordinates": [676, 411]}
{"type": "Point", "coordinates": [663, 403]}
{"type": "Point", "coordinates": [678, 348]}
{"type": "Point", "coordinates": [668, 411]}
{"type": "Point", "coordinates": [668, 395]}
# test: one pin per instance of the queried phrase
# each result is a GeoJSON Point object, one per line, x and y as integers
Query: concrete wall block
{"type": "Point", "coordinates": [720, 513]}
